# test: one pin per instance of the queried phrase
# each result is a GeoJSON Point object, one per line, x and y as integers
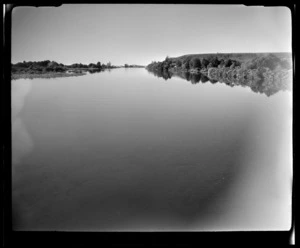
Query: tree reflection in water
{"type": "Point", "coordinates": [262, 80]}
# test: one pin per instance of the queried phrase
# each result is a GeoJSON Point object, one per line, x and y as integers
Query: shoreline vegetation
{"type": "Point", "coordinates": [52, 69]}
{"type": "Point", "coordinates": [262, 72]}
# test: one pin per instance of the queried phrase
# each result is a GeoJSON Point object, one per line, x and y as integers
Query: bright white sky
{"type": "Point", "coordinates": [141, 33]}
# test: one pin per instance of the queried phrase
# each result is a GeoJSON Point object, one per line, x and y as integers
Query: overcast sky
{"type": "Point", "coordinates": [139, 34]}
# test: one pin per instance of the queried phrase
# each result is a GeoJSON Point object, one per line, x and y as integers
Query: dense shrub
{"type": "Point", "coordinates": [195, 63]}
{"type": "Point", "coordinates": [204, 63]}
{"type": "Point", "coordinates": [178, 63]}
{"type": "Point", "coordinates": [43, 63]}
{"type": "Point", "coordinates": [186, 65]}
{"type": "Point", "coordinates": [53, 64]}
{"type": "Point", "coordinates": [228, 62]}
{"type": "Point", "coordinates": [214, 62]}
{"type": "Point", "coordinates": [209, 66]}
{"type": "Point", "coordinates": [92, 65]}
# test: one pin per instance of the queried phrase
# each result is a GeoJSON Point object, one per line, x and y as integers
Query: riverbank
{"type": "Point", "coordinates": [256, 68]}
{"type": "Point", "coordinates": [202, 63]}
{"type": "Point", "coordinates": [52, 69]}
{"type": "Point", "coordinates": [15, 76]}
{"type": "Point", "coordinates": [264, 73]}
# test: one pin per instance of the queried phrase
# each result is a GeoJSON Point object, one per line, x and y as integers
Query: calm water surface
{"type": "Point", "coordinates": [124, 150]}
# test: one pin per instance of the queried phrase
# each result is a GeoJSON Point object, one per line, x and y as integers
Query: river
{"type": "Point", "coordinates": [125, 150]}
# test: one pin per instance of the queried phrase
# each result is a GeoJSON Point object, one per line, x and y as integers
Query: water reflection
{"type": "Point", "coordinates": [94, 70]}
{"type": "Point", "coordinates": [195, 78]}
{"type": "Point", "coordinates": [263, 81]}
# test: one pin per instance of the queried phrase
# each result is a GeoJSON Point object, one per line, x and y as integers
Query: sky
{"type": "Point", "coordinates": [142, 33]}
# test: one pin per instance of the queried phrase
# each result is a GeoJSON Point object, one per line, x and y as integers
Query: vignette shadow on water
{"type": "Point", "coordinates": [159, 201]}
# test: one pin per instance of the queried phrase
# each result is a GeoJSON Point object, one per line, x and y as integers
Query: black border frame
{"type": "Point", "coordinates": [32, 238]}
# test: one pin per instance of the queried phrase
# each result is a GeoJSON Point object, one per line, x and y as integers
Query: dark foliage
{"type": "Point", "coordinates": [186, 65]}
{"type": "Point", "coordinates": [195, 63]}
{"type": "Point", "coordinates": [178, 63]}
{"type": "Point", "coordinates": [230, 61]}
{"type": "Point", "coordinates": [265, 74]}
{"type": "Point", "coordinates": [204, 63]}
{"type": "Point", "coordinates": [214, 62]}
{"type": "Point", "coordinates": [195, 78]}
{"type": "Point", "coordinates": [47, 66]}
{"type": "Point", "coordinates": [187, 75]}
{"type": "Point", "coordinates": [203, 78]}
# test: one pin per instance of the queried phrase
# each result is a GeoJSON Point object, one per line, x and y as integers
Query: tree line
{"type": "Point", "coordinates": [193, 63]}
{"type": "Point", "coordinates": [52, 66]}
{"type": "Point", "coordinates": [266, 73]}
{"type": "Point", "coordinates": [203, 63]}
